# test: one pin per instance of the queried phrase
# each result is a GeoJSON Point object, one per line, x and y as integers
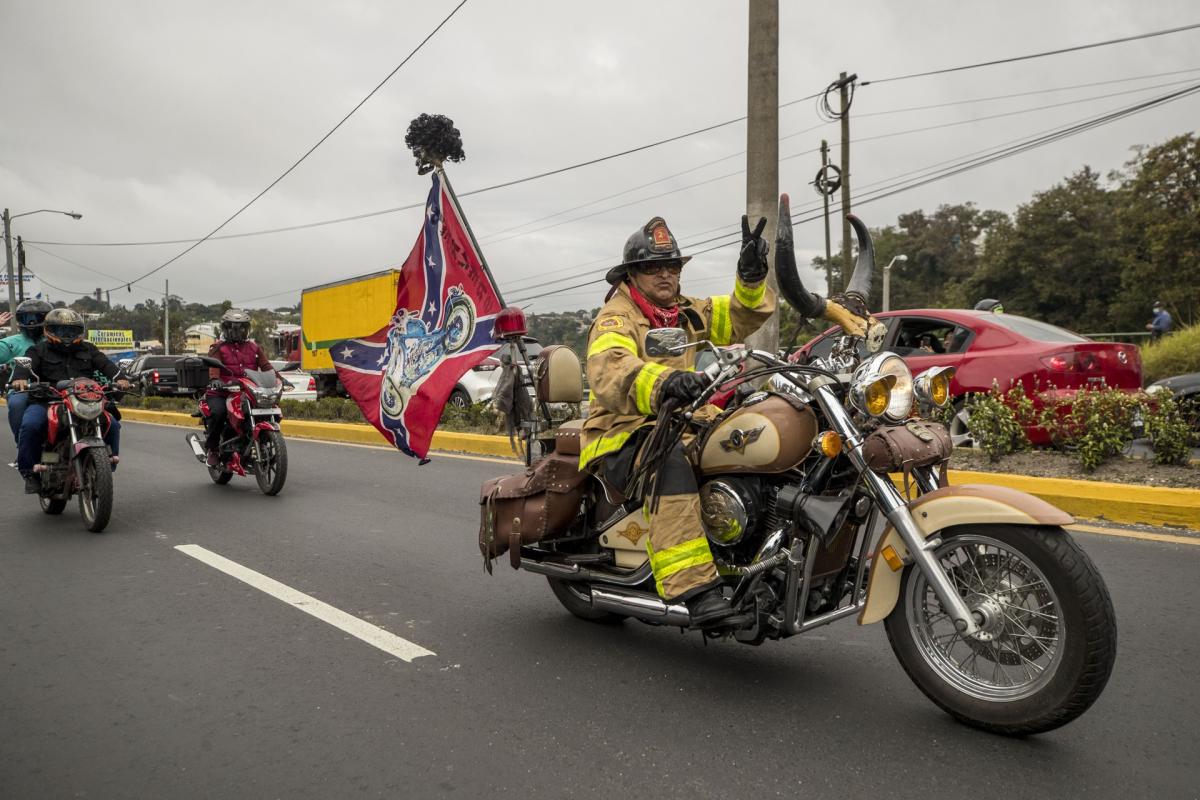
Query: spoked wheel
{"type": "Point", "coordinates": [270, 470]}
{"type": "Point", "coordinates": [96, 491]}
{"type": "Point", "coordinates": [52, 505]}
{"type": "Point", "coordinates": [1049, 633]}
{"type": "Point", "coordinates": [576, 597]}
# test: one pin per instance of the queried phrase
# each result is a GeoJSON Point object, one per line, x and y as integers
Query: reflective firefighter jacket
{"type": "Point", "coordinates": [625, 382]}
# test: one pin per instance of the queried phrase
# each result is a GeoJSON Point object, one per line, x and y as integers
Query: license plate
{"type": "Point", "coordinates": [264, 412]}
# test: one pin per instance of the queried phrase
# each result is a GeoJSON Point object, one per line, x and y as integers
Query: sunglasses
{"type": "Point", "coordinates": [670, 267]}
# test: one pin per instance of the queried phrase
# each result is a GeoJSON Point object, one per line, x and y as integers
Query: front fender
{"type": "Point", "coordinates": [969, 504]}
{"type": "Point", "coordinates": [86, 444]}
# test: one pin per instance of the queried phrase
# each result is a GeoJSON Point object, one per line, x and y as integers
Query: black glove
{"type": "Point", "coordinates": [752, 263]}
{"type": "Point", "coordinates": [683, 386]}
{"type": "Point", "coordinates": [215, 385]}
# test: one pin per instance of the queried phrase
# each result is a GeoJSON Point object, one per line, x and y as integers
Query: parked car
{"type": "Point", "coordinates": [1186, 389]}
{"type": "Point", "coordinates": [304, 386]}
{"type": "Point", "coordinates": [1001, 348]}
{"type": "Point", "coordinates": [478, 384]}
{"type": "Point", "coordinates": [155, 375]}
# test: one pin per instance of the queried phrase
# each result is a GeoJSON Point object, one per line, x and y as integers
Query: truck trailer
{"type": "Point", "coordinates": [347, 309]}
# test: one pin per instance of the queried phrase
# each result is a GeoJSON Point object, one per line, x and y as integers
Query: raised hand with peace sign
{"type": "Point", "coordinates": [752, 262]}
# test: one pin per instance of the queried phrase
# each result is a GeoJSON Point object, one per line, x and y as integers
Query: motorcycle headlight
{"type": "Point", "coordinates": [933, 385]}
{"type": "Point", "coordinates": [871, 393]}
{"type": "Point", "coordinates": [86, 409]}
{"type": "Point", "coordinates": [268, 397]}
{"type": "Point", "coordinates": [900, 402]}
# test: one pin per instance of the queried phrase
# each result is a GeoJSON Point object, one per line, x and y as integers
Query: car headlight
{"type": "Point", "coordinates": [871, 392]}
{"type": "Point", "coordinates": [933, 385]}
{"type": "Point", "coordinates": [900, 401]}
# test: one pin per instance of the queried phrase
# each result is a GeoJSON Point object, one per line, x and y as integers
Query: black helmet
{"type": "Point", "coordinates": [235, 325]}
{"type": "Point", "coordinates": [64, 326]}
{"type": "Point", "coordinates": [651, 242]}
{"type": "Point", "coordinates": [990, 304]}
{"type": "Point", "coordinates": [31, 317]}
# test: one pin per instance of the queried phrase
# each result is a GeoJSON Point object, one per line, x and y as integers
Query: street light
{"type": "Point", "coordinates": [887, 282]}
{"type": "Point", "coordinates": [12, 289]}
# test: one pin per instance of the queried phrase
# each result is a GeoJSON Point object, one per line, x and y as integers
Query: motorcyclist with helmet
{"type": "Point", "coordinates": [238, 352]}
{"type": "Point", "coordinates": [629, 386]}
{"type": "Point", "coordinates": [61, 354]}
{"type": "Point", "coordinates": [31, 317]}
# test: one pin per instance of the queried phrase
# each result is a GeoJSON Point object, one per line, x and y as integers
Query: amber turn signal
{"type": "Point", "coordinates": [829, 443]}
{"type": "Point", "coordinates": [892, 558]}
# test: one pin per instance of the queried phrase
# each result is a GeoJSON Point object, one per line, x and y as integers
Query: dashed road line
{"type": "Point", "coordinates": [371, 634]}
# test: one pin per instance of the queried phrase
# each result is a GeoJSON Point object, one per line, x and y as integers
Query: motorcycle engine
{"type": "Point", "coordinates": [729, 509]}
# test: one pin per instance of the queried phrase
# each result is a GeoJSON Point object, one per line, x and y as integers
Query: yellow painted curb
{"type": "Point", "coordinates": [350, 432]}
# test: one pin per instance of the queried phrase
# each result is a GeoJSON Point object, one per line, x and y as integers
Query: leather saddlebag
{"type": "Point", "coordinates": [901, 448]}
{"type": "Point", "coordinates": [529, 506]}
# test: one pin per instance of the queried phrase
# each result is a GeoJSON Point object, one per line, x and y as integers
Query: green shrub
{"type": "Point", "coordinates": [1173, 354]}
{"type": "Point", "coordinates": [1168, 428]}
{"type": "Point", "coordinates": [996, 420]}
{"type": "Point", "coordinates": [1094, 424]}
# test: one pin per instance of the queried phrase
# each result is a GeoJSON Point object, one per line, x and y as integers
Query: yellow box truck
{"type": "Point", "coordinates": [346, 309]}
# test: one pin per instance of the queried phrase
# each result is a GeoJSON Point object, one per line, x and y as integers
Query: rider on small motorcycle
{"type": "Point", "coordinates": [60, 355]}
{"type": "Point", "coordinates": [629, 386]}
{"type": "Point", "coordinates": [31, 316]}
{"type": "Point", "coordinates": [238, 352]}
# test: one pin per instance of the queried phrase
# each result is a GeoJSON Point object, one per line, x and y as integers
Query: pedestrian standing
{"type": "Point", "coordinates": [1160, 323]}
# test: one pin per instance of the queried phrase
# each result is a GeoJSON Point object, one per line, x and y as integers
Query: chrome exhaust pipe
{"type": "Point", "coordinates": [197, 448]}
{"type": "Point", "coordinates": [641, 606]}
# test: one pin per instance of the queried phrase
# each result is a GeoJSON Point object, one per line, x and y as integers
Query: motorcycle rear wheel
{"type": "Point", "coordinates": [96, 491]}
{"type": "Point", "coordinates": [1048, 613]}
{"type": "Point", "coordinates": [271, 471]}
{"type": "Point", "coordinates": [219, 475]}
{"type": "Point", "coordinates": [576, 597]}
{"type": "Point", "coordinates": [52, 505]}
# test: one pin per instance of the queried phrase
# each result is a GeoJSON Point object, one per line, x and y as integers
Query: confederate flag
{"type": "Point", "coordinates": [446, 303]}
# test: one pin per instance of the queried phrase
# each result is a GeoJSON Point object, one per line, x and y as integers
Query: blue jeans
{"type": "Point", "coordinates": [17, 401]}
{"type": "Point", "coordinates": [34, 424]}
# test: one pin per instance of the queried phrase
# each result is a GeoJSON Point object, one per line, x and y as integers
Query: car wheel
{"type": "Point", "coordinates": [960, 426]}
{"type": "Point", "coordinates": [459, 399]}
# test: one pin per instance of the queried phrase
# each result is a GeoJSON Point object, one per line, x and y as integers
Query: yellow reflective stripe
{"type": "Point", "coordinates": [692, 553]}
{"type": "Point", "coordinates": [603, 446]}
{"type": "Point", "coordinates": [644, 385]}
{"type": "Point", "coordinates": [720, 329]}
{"type": "Point", "coordinates": [607, 341]}
{"type": "Point", "coordinates": [750, 298]}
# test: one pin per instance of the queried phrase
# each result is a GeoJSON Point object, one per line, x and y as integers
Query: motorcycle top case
{"type": "Point", "coordinates": [193, 374]}
{"type": "Point", "coordinates": [529, 506]}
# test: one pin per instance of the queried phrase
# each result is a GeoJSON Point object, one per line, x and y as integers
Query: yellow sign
{"type": "Point", "coordinates": [111, 340]}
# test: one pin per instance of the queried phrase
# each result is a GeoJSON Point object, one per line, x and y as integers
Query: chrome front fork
{"type": "Point", "coordinates": [895, 509]}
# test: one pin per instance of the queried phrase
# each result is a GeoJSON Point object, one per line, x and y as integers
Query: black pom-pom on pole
{"type": "Point", "coordinates": [434, 140]}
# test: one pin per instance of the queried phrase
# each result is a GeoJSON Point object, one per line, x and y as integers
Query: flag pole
{"type": "Point", "coordinates": [470, 233]}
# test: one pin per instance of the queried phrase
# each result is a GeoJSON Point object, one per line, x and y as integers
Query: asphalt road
{"type": "Point", "coordinates": [131, 669]}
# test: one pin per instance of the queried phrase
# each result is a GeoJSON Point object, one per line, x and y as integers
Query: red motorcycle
{"type": "Point", "coordinates": [251, 443]}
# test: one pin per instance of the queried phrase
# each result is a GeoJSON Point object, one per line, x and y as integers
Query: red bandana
{"type": "Point", "coordinates": [659, 317]}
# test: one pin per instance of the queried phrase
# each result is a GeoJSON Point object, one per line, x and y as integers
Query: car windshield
{"type": "Point", "coordinates": [1038, 331]}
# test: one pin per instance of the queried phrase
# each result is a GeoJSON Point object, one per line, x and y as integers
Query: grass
{"type": "Point", "coordinates": [1174, 354]}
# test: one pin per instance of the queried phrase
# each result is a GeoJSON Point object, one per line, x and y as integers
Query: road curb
{"type": "Point", "coordinates": [1116, 502]}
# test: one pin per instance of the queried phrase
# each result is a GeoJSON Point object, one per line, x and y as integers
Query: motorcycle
{"type": "Point", "coordinates": [413, 349]}
{"type": "Point", "coordinates": [75, 460]}
{"type": "Point", "coordinates": [993, 610]}
{"type": "Point", "coordinates": [252, 442]}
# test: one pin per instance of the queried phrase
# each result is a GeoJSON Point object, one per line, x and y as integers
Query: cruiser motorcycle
{"type": "Point", "coordinates": [414, 349]}
{"type": "Point", "coordinates": [992, 609]}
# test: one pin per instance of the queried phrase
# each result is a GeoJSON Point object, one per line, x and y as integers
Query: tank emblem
{"type": "Point", "coordinates": [739, 439]}
{"type": "Point", "coordinates": [634, 533]}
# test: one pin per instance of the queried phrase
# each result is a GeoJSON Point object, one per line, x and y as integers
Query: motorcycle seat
{"type": "Point", "coordinates": [567, 438]}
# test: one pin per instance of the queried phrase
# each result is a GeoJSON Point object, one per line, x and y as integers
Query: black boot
{"type": "Point", "coordinates": [33, 484]}
{"type": "Point", "coordinates": [709, 609]}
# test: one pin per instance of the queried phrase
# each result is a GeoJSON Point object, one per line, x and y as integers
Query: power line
{"type": "Point", "coordinates": [1042, 54]}
{"type": "Point", "coordinates": [310, 151]}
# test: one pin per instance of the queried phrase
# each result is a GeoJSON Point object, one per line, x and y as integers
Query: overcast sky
{"type": "Point", "coordinates": [158, 119]}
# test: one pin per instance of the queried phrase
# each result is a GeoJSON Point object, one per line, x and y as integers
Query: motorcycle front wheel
{"type": "Point", "coordinates": [270, 470]}
{"type": "Point", "coordinates": [96, 491]}
{"type": "Point", "coordinates": [1049, 632]}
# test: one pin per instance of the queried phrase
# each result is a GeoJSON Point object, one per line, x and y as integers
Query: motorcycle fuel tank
{"type": "Point", "coordinates": [770, 435]}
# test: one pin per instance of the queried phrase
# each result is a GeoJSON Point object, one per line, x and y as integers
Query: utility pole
{"type": "Point", "coordinates": [20, 270]}
{"type": "Point", "coordinates": [762, 140]}
{"type": "Point", "coordinates": [844, 91]}
{"type": "Point", "coordinates": [825, 200]}
{"type": "Point", "coordinates": [166, 318]}
{"type": "Point", "coordinates": [12, 293]}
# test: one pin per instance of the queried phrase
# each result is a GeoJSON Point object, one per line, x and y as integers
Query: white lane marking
{"type": "Point", "coordinates": [371, 634]}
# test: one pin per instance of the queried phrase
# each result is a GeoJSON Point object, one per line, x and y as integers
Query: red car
{"type": "Point", "coordinates": [1004, 348]}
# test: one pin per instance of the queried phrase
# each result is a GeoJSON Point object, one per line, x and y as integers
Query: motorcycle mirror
{"type": "Point", "coordinates": [662, 342]}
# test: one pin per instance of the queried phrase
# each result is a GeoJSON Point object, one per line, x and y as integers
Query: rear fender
{"type": "Point", "coordinates": [969, 504]}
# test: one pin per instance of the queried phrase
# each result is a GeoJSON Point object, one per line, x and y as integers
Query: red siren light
{"type": "Point", "coordinates": [510, 322]}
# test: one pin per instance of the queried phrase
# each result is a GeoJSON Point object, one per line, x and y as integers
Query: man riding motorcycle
{"type": "Point", "coordinates": [238, 352]}
{"type": "Point", "coordinates": [60, 355]}
{"type": "Point", "coordinates": [31, 317]}
{"type": "Point", "coordinates": [628, 387]}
